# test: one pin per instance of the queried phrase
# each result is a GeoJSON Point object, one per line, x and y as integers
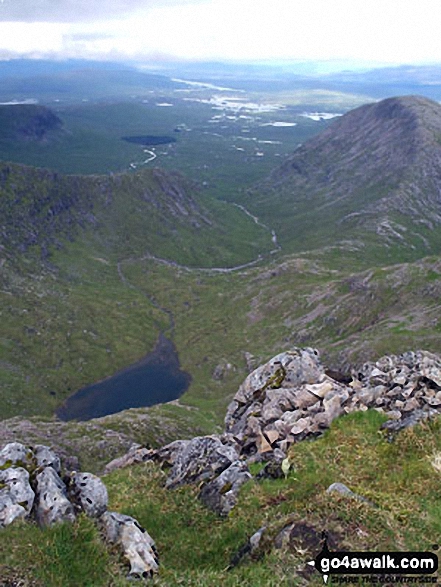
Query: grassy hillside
{"type": "Point", "coordinates": [94, 267]}
{"type": "Point", "coordinates": [93, 315]}
{"type": "Point", "coordinates": [151, 211]}
{"type": "Point", "coordinates": [69, 314]}
{"type": "Point", "coordinates": [197, 549]}
{"type": "Point", "coordinates": [369, 182]}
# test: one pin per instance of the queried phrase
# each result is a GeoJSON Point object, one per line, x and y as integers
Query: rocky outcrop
{"type": "Point", "coordinates": [220, 494]}
{"type": "Point", "coordinates": [88, 493]}
{"type": "Point", "coordinates": [10, 510]}
{"type": "Point", "coordinates": [211, 462]}
{"type": "Point", "coordinates": [165, 456]}
{"type": "Point", "coordinates": [15, 453]}
{"type": "Point", "coordinates": [15, 482]}
{"type": "Point", "coordinates": [31, 486]}
{"type": "Point", "coordinates": [45, 457]}
{"type": "Point", "coordinates": [200, 459]}
{"type": "Point", "coordinates": [291, 397]}
{"type": "Point", "coordinates": [207, 461]}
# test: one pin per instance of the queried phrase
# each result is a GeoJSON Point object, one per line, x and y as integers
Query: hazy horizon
{"type": "Point", "coordinates": [363, 35]}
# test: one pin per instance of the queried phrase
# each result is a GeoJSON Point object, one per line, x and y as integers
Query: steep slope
{"type": "Point", "coordinates": [125, 215]}
{"type": "Point", "coordinates": [390, 503]}
{"type": "Point", "coordinates": [27, 122]}
{"type": "Point", "coordinates": [41, 208]}
{"type": "Point", "coordinates": [69, 310]}
{"type": "Point", "coordinates": [375, 172]}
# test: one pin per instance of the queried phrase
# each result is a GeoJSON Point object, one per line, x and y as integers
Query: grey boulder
{"type": "Point", "coordinates": [200, 459]}
{"type": "Point", "coordinates": [10, 510]}
{"type": "Point", "coordinates": [88, 493]}
{"type": "Point", "coordinates": [52, 504]}
{"type": "Point", "coordinates": [220, 494]}
{"type": "Point", "coordinates": [46, 457]}
{"type": "Point", "coordinates": [16, 480]}
{"type": "Point", "coordinates": [15, 453]}
{"type": "Point", "coordinates": [136, 543]}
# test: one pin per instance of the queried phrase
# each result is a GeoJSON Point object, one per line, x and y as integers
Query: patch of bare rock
{"type": "Point", "coordinates": [32, 486]}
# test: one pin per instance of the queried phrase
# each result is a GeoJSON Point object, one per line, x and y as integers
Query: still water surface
{"type": "Point", "coordinates": [156, 379]}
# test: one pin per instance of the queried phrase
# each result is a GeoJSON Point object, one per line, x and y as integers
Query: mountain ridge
{"type": "Point", "coordinates": [40, 207]}
{"type": "Point", "coordinates": [376, 168]}
{"type": "Point", "coordinates": [128, 214]}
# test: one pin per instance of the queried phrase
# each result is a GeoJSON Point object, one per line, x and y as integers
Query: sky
{"type": "Point", "coordinates": [374, 31]}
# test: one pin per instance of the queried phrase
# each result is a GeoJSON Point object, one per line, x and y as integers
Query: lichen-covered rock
{"type": "Point", "coordinates": [165, 455]}
{"type": "Point", "coordinates": [10, 510]}
{"type": "Point", "coordinates": [46, 457]}
{"type": "Point", "coordinates": [136, 543]}
{"type": "Point", "coordinates": [220, 494]}
{"type": "Point", "coordinates": [277, 403]}
{"type": "Point", "coordinates": [15, 453]}
{"type": "Point", "coordinates": [16, 480]}
{"type": "Point", "coordinates": [88, 493]}
{"type": "Point", "coordinates": [52, 504]}
{"type": "Point", "coordinates": [201, 459]}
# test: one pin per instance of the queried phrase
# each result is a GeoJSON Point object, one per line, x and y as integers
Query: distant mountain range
{"type": "Point", "coordinates": [75, 80]}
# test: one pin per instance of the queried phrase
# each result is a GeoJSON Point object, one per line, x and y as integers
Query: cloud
{"type": "Point", "coordinates": [78, 10]}
{"type": "Point", "coordinates": [373, 31]}
{"type": "Point", "coordinates": [87, 37]}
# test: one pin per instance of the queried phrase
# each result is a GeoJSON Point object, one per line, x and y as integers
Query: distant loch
{"type": "Point", "coordinates": [150, 140]}
{"type": "Point", "coordinates": [153, 380]}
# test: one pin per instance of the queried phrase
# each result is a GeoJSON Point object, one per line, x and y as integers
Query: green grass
{"type": "Point", "coordinates": [79, 319]}
{"type": "Point", "coordinates": [196, 547]}
{"type": "Point", "coordinates": [61, 334]}
{"type": "Point", "coordinates": [62, 556]}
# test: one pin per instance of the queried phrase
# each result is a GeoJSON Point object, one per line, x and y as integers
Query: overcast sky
{"type": "Point", "coordinates": [382, 31]}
